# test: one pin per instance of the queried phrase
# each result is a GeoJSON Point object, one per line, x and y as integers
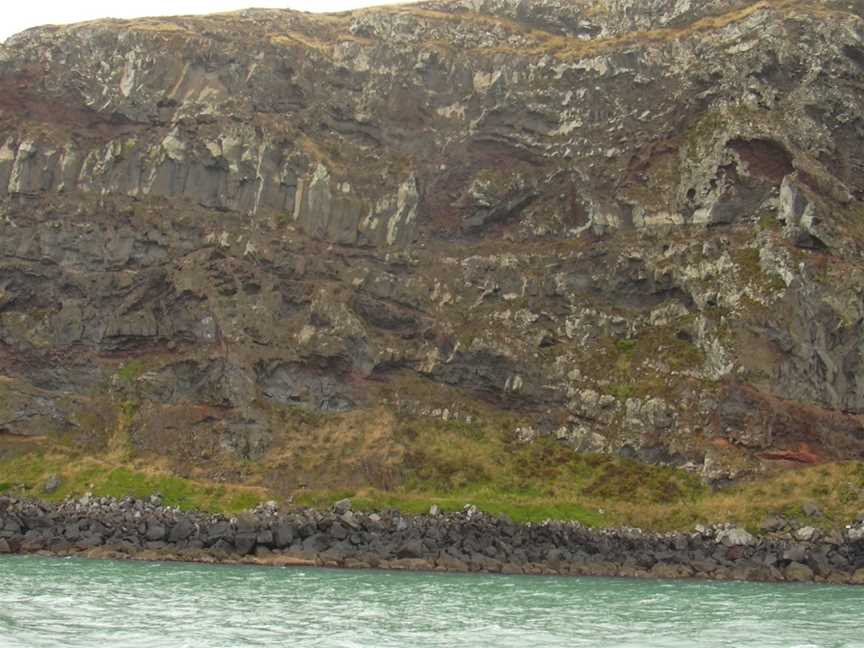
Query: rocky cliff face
{"type": "Point", "coordinates": [635, 225]}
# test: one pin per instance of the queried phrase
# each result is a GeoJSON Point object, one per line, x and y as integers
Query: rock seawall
{"type": "Point", "coordinates": [461, 542]}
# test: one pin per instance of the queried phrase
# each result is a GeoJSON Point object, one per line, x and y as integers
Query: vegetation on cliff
{"type": "Point", "coordinates": [592, 260]}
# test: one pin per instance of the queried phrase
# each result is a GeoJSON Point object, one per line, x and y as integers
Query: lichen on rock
{"type": "Point", "coordinates": [635, 227]}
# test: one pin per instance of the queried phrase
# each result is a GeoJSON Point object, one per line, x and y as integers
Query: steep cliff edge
{"type": "Point", "coordinates": [279, 244]}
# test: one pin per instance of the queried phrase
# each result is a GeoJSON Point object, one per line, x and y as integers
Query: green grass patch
{"type": "Point", "coordinates": [750, 266]}
{"type": "Point", "coordinates": [131, 371]}
{"type": "Point", "coordinates": [544, 480]}
{"type": "Point", "coordinates": [641, 367]}
{"type": "Point", "coordinates": [767, 221]}
{"type": "Point", "coordinates": [27, 474]}
{"type": "Point", "coordinates": [626, 480]}
{"type": "Point", "coordinates": [469, 461]}
{"type": "Point", "coordinates": [452, 464]}
{"type": "Point", "coordinates": [622, 392]}
{"type": "Point", "coordinates": [625, 346]}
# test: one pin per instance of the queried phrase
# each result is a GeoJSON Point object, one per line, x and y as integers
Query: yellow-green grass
{"type": "Point", "coordinates": [528, 483]}
{"type": "Point", "coordinates": [838, 489]}
{"type": "Point", "coordinates": [455, 464]}
{"type": "Point", "coordinates": [28, 474]}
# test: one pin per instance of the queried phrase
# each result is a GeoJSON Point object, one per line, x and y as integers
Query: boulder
{"type": "Point", "coordinates": [704, 566]}
{"type": "Point", "coordinates": [799, 572]}
{"type": "Point", "coordinates": [51, 484]}
{"type": "Point", "coordinates": [265, 538]}
{"type": "Point", "coordinates": [795, 553]}
{"type": "Point", "coordinates": [244, 543]}
{"type": "Point", "coordinates": [350, 519]}
{"type": "Point", "coordinates": [411, 549]}
{"type": "Point", "coordinates": [820, 564]}
{"type": "Point", "coordinates": [770, 558]}
{"type": "Point", "coordinates": [855, 533]}
{"type": "Point", "coordinates": [811, 509]}
{"type": "Point", "coordinates": [246, 523]}
{"type": "Point", "coordinates": [181, 531]}
{"type": "Point", "coordinates": [11, 526]}
{"type": "Point", "coordinates": [317, 543]}
{"type": "Point", "coordinates": [772, 524]}
{"type": "Point", "coordinates": [222, 545]}
{"type": "Point", "coordinates": [155, 532]}
{"type": "Point", "coordinates": [216, 531]}
{"type": "Point", "coordinates": [339, 532]}
{"type": "Point", "coordinates": [734, 537]}
{"type": "Point", "coordinates": [91, 540]}
{"type": "Point", "coordinates": [283, 535]}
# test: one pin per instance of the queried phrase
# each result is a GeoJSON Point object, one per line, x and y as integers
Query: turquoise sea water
{"type": "Point", "coordinates": [74, 602]}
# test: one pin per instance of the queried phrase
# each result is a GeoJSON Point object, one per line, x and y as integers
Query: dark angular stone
{"type": "Point", "coordinates": [411, 549]}
{"type": "Point", "coordinates": [182, 530]}
{"type": "Point", "coordinates": [796, 553]}
{"type": "Point", "coordinates": [91, 540]}
{"type": "Point", "coordinates": [265, 538]}
{"type": "Point", "coordinates": [339, 532]}
{"type": "Point", "coordinates": [283, 535]}
{"type": "Point", "coordinates": [245, 543]}
{"type": "Point", "coordinates": [155, 532]}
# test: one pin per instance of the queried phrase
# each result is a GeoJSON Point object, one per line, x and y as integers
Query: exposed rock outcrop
{"type": "Point", "coordinates": [635, 226]}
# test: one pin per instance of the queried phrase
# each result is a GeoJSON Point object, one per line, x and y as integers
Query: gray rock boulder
{"type": "Point", "coordinates": [156, 532]}
{"type": "Point", "coordinates": [342, 506]}
{"type": "Point", "coordinates": [855, 533]}
{"type": "Point", "coordinates": [283, 535]}
{"type": "Point", "coordinates": [811, 509]}
{"type": "Point", "coordinates": [411, 549]}
{"type": "Point", "coordinates": [796, 553]}
{"type": "Point", "coordinates": [735, 537]}
{"type": "Point", "coordinates": [181, 531]}
{"type": "Point", "coordinates": [244, 543]}
{"type": "Point", "coordinates": [51, 484]}
{"type": "Point", "coordinates": [796, 571]}
{"type": "Point", "coordinates": [773, 524]}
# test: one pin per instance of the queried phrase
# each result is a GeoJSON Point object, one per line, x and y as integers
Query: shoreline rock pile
{"type": "Point", "coordinates": [466, 541]}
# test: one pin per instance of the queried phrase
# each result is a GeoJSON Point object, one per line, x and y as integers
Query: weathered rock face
{"type": "Point", "coordinates": [636, 226]}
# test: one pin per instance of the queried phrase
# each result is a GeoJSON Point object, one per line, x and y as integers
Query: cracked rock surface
{"type": "Point", "coordinates": [635, 226]}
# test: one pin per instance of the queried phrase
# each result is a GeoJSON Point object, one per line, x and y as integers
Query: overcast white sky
{"type": "Point", "coordinates": [18, 15]}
